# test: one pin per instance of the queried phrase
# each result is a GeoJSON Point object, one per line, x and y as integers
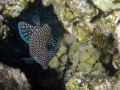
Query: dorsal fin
{"type": "Point", "coordinates": [36, 20]}
{"type": "Point", "coordinates": [25, 30]}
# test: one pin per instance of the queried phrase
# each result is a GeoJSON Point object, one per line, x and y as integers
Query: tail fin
{"type": "Point", "coordinates": [25, 31]}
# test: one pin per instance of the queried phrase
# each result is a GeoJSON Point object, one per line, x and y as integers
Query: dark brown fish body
{"type": "Point", "coordinates": [43, 43]}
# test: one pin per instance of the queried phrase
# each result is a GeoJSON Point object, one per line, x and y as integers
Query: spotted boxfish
{"type": "Point", "coordinates": [43, 42]}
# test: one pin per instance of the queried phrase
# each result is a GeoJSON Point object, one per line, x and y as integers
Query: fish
{"type": "Point", "coordinates": [42, 40]}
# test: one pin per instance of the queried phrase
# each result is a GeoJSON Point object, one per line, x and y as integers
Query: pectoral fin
{"type": "Point", "coordinates": [28, 61]}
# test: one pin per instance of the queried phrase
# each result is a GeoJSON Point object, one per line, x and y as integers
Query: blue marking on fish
{"type": "Point", "coordinates": [43, 42]}
{"type": "Point", "coordinates": [25, 31]}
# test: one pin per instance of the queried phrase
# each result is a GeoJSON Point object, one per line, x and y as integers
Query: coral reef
{"type": "Point", "coordinates": [12, 7]}
{"type": "Point", "coordinates": [86, 21]}
{"type": "Point", "coordinates": [116, 32]}
{"type": "Point", "coordinates": [95, 24]}
{"type": "Point", "coordinates": [116, 56]}
{"type": "Point", "coordinates": [13, 51]}
{"type": "Point", "coordinates": [12, 79]}
{"type": "Point", "coordinates": [106, 5]}
{"type": "Point", "coordinates": [89, 81]}
{"type": "Point", "coordinates": [116, 85]}
{"type": "Point", "coordinates": [1, 19]}
{"type": "Point", "coordinates": [89, 21]}
{"type": "Point", "coordinates": [4, 30]}
{"type": "Point", "coordinates": [74, 55]}
{"type": "Point", "coordinates": [88, 57]}
{"type": "Point", "coordinates": [84, 56]}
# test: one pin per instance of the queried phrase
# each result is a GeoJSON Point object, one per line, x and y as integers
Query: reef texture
{"type": "Point", "coordinates": [12, 79]}
{"type": "Point", "coordinates": [75, 14]}
{"type": "Point", "coordinates": [4, 30]}
{"type": "Point", "coordinates": [77, 57]}
{"type": "Point", "coordinates": [90, 22]}
{"type": "Point", "coordinates": [93, 42]}
{"type": "Point", "coordinates": [107, 5]}
{"type": "Point", "coordinates": [12, 7]}
{"type": "Point", "coordinates": [87, 81]}
{"type": "Point", "coordinates": [89, 54]}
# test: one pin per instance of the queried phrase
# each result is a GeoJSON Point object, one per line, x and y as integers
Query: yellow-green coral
{"type": "Point", "coordinates": [84, 56]}
{"type": "Point", "coordinates": [54, 63]}
{"type": "Point", "coordinates": [84, 67]}
{"type": "Point", "coordinates": [62, 50]}
{"type": "Point", "coordinates": [63, 60]}
{"type": "Point", "coordinates": [76, 56]}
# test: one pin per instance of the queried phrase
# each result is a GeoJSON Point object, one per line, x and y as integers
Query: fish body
{"type": "Point", "coordinates": [43, 42]}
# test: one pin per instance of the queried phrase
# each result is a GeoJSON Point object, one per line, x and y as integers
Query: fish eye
{"type": "Point", "coordinates": [50, 47]}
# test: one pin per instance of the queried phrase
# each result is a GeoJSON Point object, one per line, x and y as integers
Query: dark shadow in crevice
{"type": "Point", "coordinates": [12, 51]}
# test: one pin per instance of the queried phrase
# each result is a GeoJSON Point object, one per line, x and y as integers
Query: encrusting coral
{"type": "Point", "coordinates": [90, 81]}
{"type": "Point", "coordinates": [95, 24]}
{"type": "Point", "coordinates": [107, 5]}
{"type": "Point", "coordinates": [76, 56]}
{"type": "Point", "coordinates": [89, 21]}
{"type": "Point", "coordinates": [82, 81]}
{"type": "Point", "coordinates": [86, 21]}
{"type": "Point", "coordinates": [4, 30]}
{"type": "Point", "coordinates": [12, 7]}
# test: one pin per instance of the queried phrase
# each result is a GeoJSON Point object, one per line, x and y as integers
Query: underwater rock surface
{"type": "Point", "coordinates": [4, 30]}
{"type": "Point", "coordinates": [12, 79]}
{"type": "Point", "coordinates": [89, 53]}
{"type": "Point", "coordinates": [107, 5]}
{"type": "Point", "coordinates": [12, 7]}
{"type": "Point", "coordinates": [95, 24]}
